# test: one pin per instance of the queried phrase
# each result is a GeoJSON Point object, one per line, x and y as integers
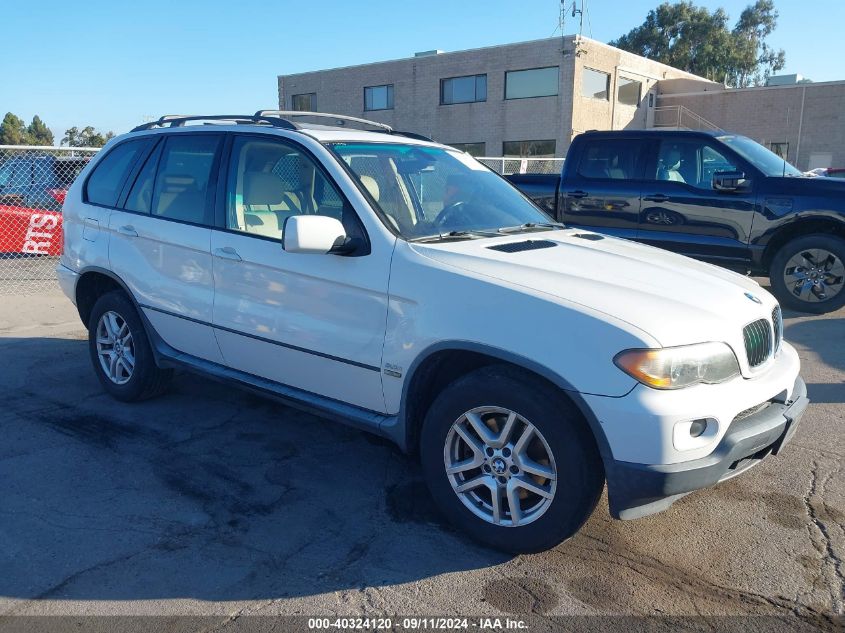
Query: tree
{"type": "Point", "coordinates": [694, 39]}
{"type": "Point", "coordinates": [39, 133]}
{"type": "Point", "coordinates": [13, 131]}
{"type": "Point", "coordinates": [87, 137]}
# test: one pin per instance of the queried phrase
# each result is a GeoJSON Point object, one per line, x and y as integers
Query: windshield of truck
{"type": "Point", "coordinates": [763, 159]}
{"type": "Point", "coordinates": [434, 193]}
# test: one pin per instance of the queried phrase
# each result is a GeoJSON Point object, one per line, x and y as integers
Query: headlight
{"type": "Point", "coordinates": [677, 367]}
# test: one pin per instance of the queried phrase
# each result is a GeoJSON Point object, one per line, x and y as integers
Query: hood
{"type": "Point", "coordinates": [674, 299]}
{"type": "Point", "coordinates": [811, 185]}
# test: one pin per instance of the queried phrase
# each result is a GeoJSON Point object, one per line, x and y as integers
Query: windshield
{"type": "Point", "coordinates": [427, 192]}
{"type": "Point", "coordinates": [766, 161]}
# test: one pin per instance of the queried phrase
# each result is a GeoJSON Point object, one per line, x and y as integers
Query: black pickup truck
{"type": "Point", "coordinates": [718, 197]}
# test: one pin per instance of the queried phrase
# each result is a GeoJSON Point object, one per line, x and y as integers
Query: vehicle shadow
{"type": "Point", "coordinates": [825, 337]}
{"type": "Point", "coordinates": [208, 492]}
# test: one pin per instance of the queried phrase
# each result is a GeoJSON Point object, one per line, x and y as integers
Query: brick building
{"type": "Point", "coordinates": [532, 98]}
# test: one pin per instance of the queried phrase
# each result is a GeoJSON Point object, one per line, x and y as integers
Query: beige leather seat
{"type": "Point", "coordinates": [371, 186]}
{"type": "Point", "coordinates": [180, 199]}
{"type": "Point", "coordinates": [267, 204]}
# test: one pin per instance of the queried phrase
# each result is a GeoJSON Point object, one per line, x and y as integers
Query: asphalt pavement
{"type": "Point", "coordinates": [210, 501]}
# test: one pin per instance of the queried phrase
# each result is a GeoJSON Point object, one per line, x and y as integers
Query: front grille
{"type": "Point", "coordinates": [758, 342]}
{"type": "Point", "coordinates": [777, 324]}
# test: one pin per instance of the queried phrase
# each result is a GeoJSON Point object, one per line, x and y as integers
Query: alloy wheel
{"type": "Point", "coordinates": [115, 348]}
{"type": "Point", "coordinates": [814, 275]}
{"type": "Point", "coordinates": [500, 466]}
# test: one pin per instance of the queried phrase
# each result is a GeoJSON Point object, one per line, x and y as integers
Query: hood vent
{"type": "Point", "coordinates": [517, 247]}
{"type": "Point", "coordinates": [593, 237]}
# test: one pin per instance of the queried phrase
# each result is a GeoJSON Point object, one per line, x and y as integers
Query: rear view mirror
{"type": "Point", "coordinates": [729, 181]}
{"type": "Point", "coordinates": [313, 234]}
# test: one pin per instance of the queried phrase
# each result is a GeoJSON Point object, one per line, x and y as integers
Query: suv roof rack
{"type": "Point", "coordinates": [340, 119]}
{"type": "Point", "coordinates": [179, 120]}
{"type": "Point", "coordinates": [275, 118]}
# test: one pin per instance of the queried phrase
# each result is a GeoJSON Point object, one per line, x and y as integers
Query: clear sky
{"type": "Point", "coordinates": [111, 63]}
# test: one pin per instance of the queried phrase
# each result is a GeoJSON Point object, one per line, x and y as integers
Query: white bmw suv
{"type": "Point", "coordinates": [397, 285]}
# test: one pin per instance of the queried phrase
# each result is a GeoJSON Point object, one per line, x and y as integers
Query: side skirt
{"type": "Point", "coordinates": [363, 419]}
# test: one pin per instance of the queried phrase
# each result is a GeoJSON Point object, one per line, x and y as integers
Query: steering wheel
{"type": "Point", "coordinates": [449, 213]}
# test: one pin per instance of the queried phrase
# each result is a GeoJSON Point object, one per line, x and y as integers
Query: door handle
{"type": "Point", "coordinates": [656, 197]}
{"type": "Point", "coordinates": [227, 252]}
{"type": "Point", "coordinates": [577, 194]}
{"type": "Point", "coordinates": [128, 230]}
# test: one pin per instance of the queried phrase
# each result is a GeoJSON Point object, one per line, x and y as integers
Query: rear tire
{"type": "Point", "coordinates": [808, 273]}
{"type": "Point", "coordinates": [554, 480]}
{"type": "Point", "coordinates": [120, 351]}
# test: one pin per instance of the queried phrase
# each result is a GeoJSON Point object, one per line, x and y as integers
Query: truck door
{"type": "Point", "coordinates": [683, 212]}
{"type": "Point", "coordinates": [602, 192]}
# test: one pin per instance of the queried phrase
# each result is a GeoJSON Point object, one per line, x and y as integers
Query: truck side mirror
{"type": "Point", "coordinates": [729, 181]}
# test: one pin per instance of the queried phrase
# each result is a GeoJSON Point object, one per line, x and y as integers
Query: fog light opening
{"type": "Point", "coordinates": [697, 428]}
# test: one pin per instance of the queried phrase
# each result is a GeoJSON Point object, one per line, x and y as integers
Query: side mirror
{"type": "Point", "coordinates": [313, 234]}
{"type": "Point", "coordinates": [729, 181]}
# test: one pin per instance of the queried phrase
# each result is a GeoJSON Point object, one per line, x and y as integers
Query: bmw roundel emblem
{"type": "Point", "coordinates": [752, 297]}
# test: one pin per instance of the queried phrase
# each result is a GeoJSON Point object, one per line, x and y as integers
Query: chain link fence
{"type": "Point", "coordinates": [33, 184]}
{"type": "Point", "coordinates": [511, 165]}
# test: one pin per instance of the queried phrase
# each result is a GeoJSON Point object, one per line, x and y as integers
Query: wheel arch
{"type": "Point", "coordinates": [93, 283]}
{"type": "Point", "coordinates": [799, 227]}
{"type": "Point", "coordinates": [444, 362]}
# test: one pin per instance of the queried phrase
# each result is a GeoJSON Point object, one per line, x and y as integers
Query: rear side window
{"type": "Point", "coordinates": [182, 181]}
{"type": "Point", "coordinates": [611, 159]}
{"type": "Point", "coordinates": [140, 197]}
{"type": "Point", "coordinates": [105, 183]}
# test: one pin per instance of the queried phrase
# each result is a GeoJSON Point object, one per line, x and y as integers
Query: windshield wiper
{"type": "Point", "coordinates": [531, 226]}
{"type": "Point", "coordinates": [454, 235]}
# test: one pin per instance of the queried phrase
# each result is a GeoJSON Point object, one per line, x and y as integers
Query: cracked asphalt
{"type": "Point", "coordinates": [211, 501]}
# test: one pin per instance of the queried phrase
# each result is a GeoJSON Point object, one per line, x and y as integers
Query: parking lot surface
{"type": "Point", "coordinates": [212, 501]}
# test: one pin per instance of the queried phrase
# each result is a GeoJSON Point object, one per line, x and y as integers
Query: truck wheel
{"type": "Point", "coordinates": [120, 351]}
{"type": "Point", "coordinates": [509, 460]}
{"type": "Point", "coordinates": [808, 273]}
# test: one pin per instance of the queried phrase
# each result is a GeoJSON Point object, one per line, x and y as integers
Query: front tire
{"type": "Point", "coordinates": [509, 460]}
{"type": "Point", "coordinates": [808, 273]}
{"type": "Point", "coordinates": [120, 351]}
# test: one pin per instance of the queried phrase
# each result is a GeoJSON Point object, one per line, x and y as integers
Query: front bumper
{"type": "Point", "coordinates": [636, 490]}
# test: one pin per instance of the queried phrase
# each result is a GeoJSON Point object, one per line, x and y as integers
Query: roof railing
{"type": "Point", "coordinates": [339, 119]}
{"type": "Point", "coordinates": [276, 118]}
{"type": "Point", "coordinates": [179, 120]}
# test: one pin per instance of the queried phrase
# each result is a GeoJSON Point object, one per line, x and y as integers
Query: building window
{"type": "Point", "coordinates": [537, 82]}
{"type": "Point", "coordinates": [473, 149]}
{"type": "Point", "coordinates": [305, 102]}
{"type": "Point", "coordinates": [378, 97]}
{"type": "Point", "coordinates": [529, 149]}
{"type": "Point", "coordinates": [463, 89]}
{"type": "Point", "coordinates": [628, 91]}
{"type": "Point", "coordinates": [595, 84]}
{"type": "Point", "coordinates": [781, 149]}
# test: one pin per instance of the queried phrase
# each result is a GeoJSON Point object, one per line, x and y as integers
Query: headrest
{"type": "Point", "coordinates": [261, 187]}
{"type": "Point", "coordinates": [371, 185]}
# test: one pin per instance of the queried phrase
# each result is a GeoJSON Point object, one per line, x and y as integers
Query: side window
{"type": "Point", "coordinates": [692, 162]}
{"type": "Point", "coordinates": [611, 159]}
{"type": "Point", "coordinates": [182, 179]}
{"type": "Point", "coordinates": [270, 181]}
{"type": "Point", "coordinates": [140, 197]}
{"type": "Point", "coordinates": [105, 183]}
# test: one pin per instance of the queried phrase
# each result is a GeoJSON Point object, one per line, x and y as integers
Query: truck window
{"type": "Point", "coordinates": [610, 159]}
{"type": "Point", "coordinates": [691, 161]}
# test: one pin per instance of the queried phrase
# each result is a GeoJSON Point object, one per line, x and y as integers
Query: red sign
{"type": "Point", "coordinates": [31, 231]}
